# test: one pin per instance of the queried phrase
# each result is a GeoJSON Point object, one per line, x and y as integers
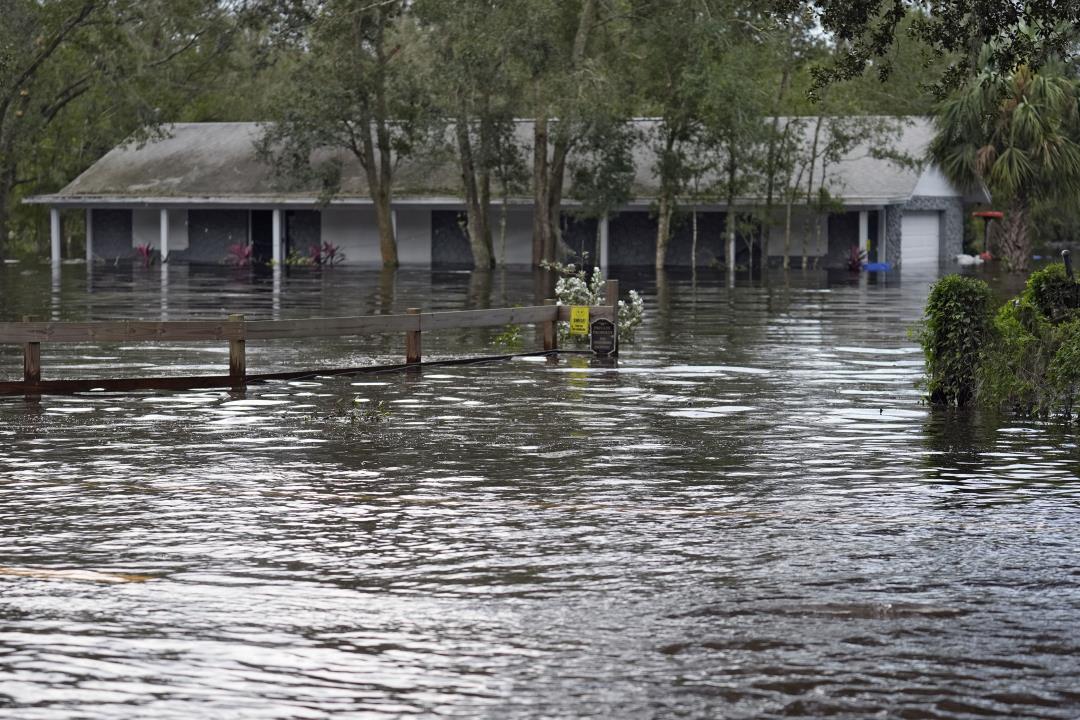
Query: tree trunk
{"type": "Point", "coordinates": [548, 175]}
{"type": "Point", "coordinates": [483, 182]}
{"type": "Point", "coordinates": [5, 217]}
{"type": "Point", "coordinates": [776, 141]}
{"type": "Point", "coordinates": [541, 211]}
{"type": "Point", "coordinates": [1015, 237]}
{"type": "Point", "coordinates": [557, 173]}
{"type": "Point", "coordinates": [729, 220]}
{"type": "Point", "coordinates": [810, 187]}
{"type": "Point", "coordinates": [503, 211]}
{"type": "Point", "coordinates": [787, 232]}
{"type": "Point", "coordinates": [693, 240]}
{"type": "Point", "coordinates": [384, 220]}
{"type": "Point", "coordinates": [479, 237]}
{"type": "Point", "coordinates": [377, 161]}
{"type": "Point", "coordinates": [665, 208]}
{"type": "Point", "coordinates": [666, 201]}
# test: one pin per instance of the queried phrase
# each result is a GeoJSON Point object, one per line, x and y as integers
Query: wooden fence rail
{"type": "Point", "coordinates": [236, 330]}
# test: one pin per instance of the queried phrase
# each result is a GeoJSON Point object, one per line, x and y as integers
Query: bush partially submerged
{"type": "Point", "coordinates": [574, 288]}
{"type": "Point", "coordinates": [1026, 358]}
{"type": "Point", "coordinates": [956, 331]}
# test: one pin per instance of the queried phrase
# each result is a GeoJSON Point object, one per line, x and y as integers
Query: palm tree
{"type": "Point", "coordinates": [1016, 134]}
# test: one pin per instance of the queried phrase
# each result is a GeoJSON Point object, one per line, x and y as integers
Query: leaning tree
{"type": "Point", "coordinates": [1016, 133]}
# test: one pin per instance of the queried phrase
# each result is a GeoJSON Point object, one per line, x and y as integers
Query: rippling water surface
{"type": "Point", "coordinates": [752, 515]}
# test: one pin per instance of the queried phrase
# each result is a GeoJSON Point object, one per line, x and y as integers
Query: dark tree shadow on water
{"type": "Point", "coordinates": [994, 458]}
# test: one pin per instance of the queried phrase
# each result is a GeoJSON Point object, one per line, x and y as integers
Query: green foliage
{"type": "Point", "coordinates": [1026, 359]}
{"type": "Point", "coordinates": [1023, 33]}
{"type": "Point", "coordinates": [1030, 367]}
{"type": "Point", "coordinates": [574, 288]}
{"type": "Point", "coordinates": [78, 76]}
{"type": "Point", "coordinates": [352, 418]}
{"type": "Point", "coordinates": [1016, 134]}
{"type": "Point", "coordinates": [955, 333]}
{"type": "Point", "coordinates": [510, 338]}
{"type": "Point", "coordinates": [1052, 292]}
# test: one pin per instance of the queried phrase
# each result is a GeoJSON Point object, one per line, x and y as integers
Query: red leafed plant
{"type": "Point", "coordinates": [326, 254]}
{"type": "Point", "coordinates": [146, 252]}
{"type": "Point", "coordinates": [239, 255]}
{"type": "Point", "coordinates": [856, 259]}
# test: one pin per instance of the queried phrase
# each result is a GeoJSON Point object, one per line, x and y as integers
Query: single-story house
{"type": "Point", "coordinates": [200, 189]}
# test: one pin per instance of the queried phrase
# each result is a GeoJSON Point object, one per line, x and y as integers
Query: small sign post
{"type": "Point", "coordinates": [604, 341]}
{"type": "Point", "coordinates": [579, 320]}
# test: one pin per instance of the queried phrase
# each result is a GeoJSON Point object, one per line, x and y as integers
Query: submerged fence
{"type": "Point", "coordinates": [237, 331]}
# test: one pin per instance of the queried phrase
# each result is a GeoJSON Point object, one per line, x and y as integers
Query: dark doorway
{"type": "Point", "coordinates": [303, 231]}
{"type": "Point", "coordinates": [450, 240]}
{"type": "Point", "coordinates": [262, 236]}
{"type": "Point", "coordinates": [580, 238]}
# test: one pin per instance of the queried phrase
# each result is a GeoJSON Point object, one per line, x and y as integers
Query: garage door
{"type": "Point", "coordinates": [920, 238]}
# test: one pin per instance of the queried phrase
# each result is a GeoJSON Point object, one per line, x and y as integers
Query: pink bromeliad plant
{"type": "Point", "coordinates": [239, 255]}
{"type": "Point", "coordinates": [146, 253]}
{"type": "Point", "coordinates": [326, 254]}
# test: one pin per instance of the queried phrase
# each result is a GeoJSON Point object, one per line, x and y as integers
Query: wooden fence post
{"type": "Point", "coordinates": [611, 293]}
{"type": "Point", "coordinates": [238, 355]}
{"type": "Point", "coordinates": [551, 334]}
{"type": "Point", "coordinates": [412, 342]}
{"type": "Point", "coordinates": [31, 362]}
{"type": "Point", "coordinates": [611, 297]}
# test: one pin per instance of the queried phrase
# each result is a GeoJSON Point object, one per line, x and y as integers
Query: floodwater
{"type": "Point", "coordinates": [752, 515]}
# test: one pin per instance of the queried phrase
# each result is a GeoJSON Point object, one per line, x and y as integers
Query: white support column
{"type": "Point", "coordinates": [54, 296]}
{"type": "Point", "coordinates": [864, 230]}
{"type": "Point", "coordinates": [89, 236]}
{"type": "Point", "coordinates": [54, 234]}
{"type": "Point", "coordinates": [604, 251]}
{"type": "Point", "coordinates": [164, 230]}
{"type": "Point", "coordinates": [882, 253]}
{"type": "Point", "coordinates": [393, 223]}
{"type": "Point", "coordinates": [276, 238]}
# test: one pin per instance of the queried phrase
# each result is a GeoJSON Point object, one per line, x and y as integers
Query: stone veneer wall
{"type": "Point", "coordinates": [894, 215]}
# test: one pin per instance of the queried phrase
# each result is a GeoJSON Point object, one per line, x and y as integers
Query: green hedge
{"type": "Point", "coordinates": [1024, 358]}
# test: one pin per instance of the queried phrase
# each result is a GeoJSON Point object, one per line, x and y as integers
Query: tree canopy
{"type": "Point", "coordinates": [383, 80]}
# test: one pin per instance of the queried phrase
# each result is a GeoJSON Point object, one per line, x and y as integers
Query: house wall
{"type": "Point", "coordinates": [518, 250]}
{"type": "Point", "coordinates": [805, 225]}
{"type": "Point", "coordinates": [414, 236]}
{"type": "Point", "coordinates": [204, 235]}
{"type": "Point", "coordinates": [932, 183]}
{"type": "Point", "coordinates": [146, 228]}
{"type": "Point", "coordinates": [355, 233]}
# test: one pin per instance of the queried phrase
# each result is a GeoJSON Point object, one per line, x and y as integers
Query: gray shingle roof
{"type": "Point", "coordinates": [215, 164]}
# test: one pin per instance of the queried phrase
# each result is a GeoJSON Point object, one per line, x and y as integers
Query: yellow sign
{"type": "Point", "coordinates": [579, 320]}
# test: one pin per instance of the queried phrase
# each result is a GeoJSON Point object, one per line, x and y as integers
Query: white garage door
{"type": "Point", "coordinates": [920, 238]}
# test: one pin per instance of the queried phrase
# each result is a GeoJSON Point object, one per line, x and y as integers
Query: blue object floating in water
{"type": "Point", "coordinates": [877, 267]}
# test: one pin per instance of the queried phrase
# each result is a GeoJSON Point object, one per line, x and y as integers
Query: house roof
{"type": "Point", "coordinates": [214, 164]}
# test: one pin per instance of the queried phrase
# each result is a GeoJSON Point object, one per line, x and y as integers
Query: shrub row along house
{"type": "Point", "coordinates": [202, 190]}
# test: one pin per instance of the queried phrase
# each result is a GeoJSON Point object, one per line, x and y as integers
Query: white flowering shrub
{"type": "Point", "coordinates": [573, 289]}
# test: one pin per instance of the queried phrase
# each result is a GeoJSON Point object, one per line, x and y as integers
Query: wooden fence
{"type": "Point", "coordinates": [237, 331]}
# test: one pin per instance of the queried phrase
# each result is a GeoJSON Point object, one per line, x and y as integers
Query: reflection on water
{"type": "Point", "coordinates": [752, 515]}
